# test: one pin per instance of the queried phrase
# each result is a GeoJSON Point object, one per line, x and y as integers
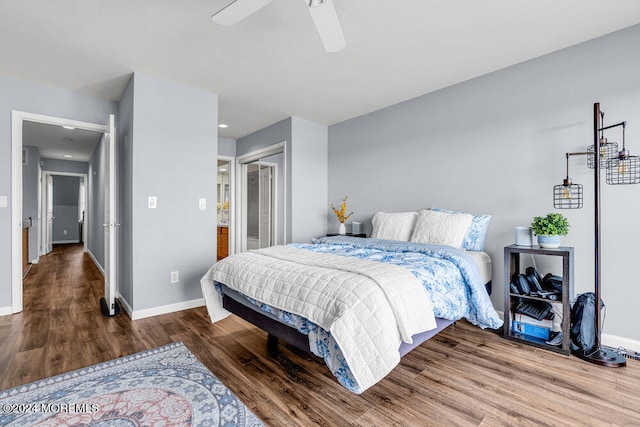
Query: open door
{"type": "Point", "coordinates": [48, 243]}
{"type": "Point", "coordinates": [108, 304]}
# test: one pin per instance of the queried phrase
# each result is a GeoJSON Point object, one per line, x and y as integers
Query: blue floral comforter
{"type": "Point", "coordinates": [449, 276]}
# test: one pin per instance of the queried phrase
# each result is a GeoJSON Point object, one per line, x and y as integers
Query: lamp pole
{"type": "Point", "coordinates": [596, 202]}
{"type": "Point", "coordinates": [599, 356]}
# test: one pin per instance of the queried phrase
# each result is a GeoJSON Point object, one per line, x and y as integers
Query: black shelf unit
{"type": "Point", "coordinates": [512, 266]}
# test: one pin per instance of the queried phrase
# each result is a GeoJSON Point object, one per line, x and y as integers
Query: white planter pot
{"type": "Point", "coordinates": [549, 242]}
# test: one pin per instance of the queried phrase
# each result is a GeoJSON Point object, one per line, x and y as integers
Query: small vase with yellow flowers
{"type": "Point", "coordinates": [342, 215]}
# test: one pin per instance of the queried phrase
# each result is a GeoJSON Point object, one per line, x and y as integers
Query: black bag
{"type": "Point", "coordinates": [583, 323]}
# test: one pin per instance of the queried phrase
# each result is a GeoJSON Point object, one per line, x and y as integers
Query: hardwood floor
{"type": "Point", "coordinates": [463, 376]}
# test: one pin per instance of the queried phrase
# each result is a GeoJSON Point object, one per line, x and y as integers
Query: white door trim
{"type": "Point", "coordinates": [17, 119]}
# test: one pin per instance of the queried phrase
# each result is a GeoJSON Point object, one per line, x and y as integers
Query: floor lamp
{"type": "Point", "coordinates": [621, 168]}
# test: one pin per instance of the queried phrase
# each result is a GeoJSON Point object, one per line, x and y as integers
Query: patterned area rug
{"type": "Point", "coordinates": [164, 386]}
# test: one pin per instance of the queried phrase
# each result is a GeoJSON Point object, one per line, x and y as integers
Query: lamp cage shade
{"type": "Point", "coordinates": [623, 170]}
{"type": "Point", "coordinates": [608, 151]}
{"type": "Point", "coordinates": [567, 196]}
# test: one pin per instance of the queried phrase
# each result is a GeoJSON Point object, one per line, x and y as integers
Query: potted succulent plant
{"type": "Point", "coordinates": [549, 229]}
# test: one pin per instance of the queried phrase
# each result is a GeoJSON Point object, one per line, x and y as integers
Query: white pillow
{"type": "Point", "coordinates": [393, 226]}
{"type": "Point", "coordinates": [441, 228]}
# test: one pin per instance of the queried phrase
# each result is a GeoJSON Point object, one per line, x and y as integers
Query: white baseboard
{"type": "Point", "coordinates": [4, 311]}
{"type": "Point", "coordinates": [616, 341]}
{"type": "Point", "coordinates": [164, 309]}
{"type": "Point", "coordinates": [125, 305]}
{"type": "Point", "coordinates": [64, 242]}
{"type": "Point", "coordinates": [95, 261]}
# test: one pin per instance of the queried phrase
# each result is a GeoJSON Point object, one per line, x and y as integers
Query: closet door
{"type": "Point", "coordinates": [260, 195]}
{"type": "Point", "coordinates": [265, 206]}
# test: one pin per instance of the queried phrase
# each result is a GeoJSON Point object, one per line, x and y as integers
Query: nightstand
{"type": "Point", "coordinates": [348, 234]}
{"type": "Point", "coordinates": [511, 300]}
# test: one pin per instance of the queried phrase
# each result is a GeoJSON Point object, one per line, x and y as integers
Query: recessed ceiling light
{"type": "Point", "coordinates": [68, 127]}
{"type": "Point", "coordinates": [67, 156]}
{"type": "Point", "coordinates": [223, 126]}
{"type": "Point", "coordinates": [223, 169]}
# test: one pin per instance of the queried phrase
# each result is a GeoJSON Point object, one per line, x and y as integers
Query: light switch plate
{"type": "Point", "coordinates": [3, 201]}
{"type": "Point", "coordinates": [202, 204]}
{"type": "Point", "coordinates": [153, 202]}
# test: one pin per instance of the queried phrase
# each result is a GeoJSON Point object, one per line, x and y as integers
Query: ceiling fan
{"type": "Point", "coordinates": [323, 13]}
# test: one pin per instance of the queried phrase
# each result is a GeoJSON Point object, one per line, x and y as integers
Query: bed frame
{"type": "Point", "coordinates": [278, 330]}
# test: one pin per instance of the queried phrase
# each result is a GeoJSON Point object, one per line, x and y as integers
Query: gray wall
{"type": "Point", "coordinates": [55, 165]}
{"type": "Point", "coordinates": [309, 199]}
{"type": "Point", "coordinates": [95, 204]}
{"type": "Point", "coordinates": [39, 99]}
{"type": "Point", "coordinates": [172, 150]}
{"type": "Point", "coordinates": [30, 178]}
{"type": "Point", "coordinates": [226, 147]}
{"type": "Point", "coordinates": [273, 134]}
{"type": "Point", "coordinates": [497, 145]}
{"type": "Point", "coordinates": [66, 227]}
{"type": "Point", "coordinates": [124, 215]}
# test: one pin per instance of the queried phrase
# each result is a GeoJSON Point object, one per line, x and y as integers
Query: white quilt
{"type": "Point", "coordinates": [369, 307]}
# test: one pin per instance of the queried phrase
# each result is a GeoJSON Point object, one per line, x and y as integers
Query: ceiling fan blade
{"type": "Point", "coordinates": [238, 10]}
{"type": "Point", "coordinates": [326, 19]}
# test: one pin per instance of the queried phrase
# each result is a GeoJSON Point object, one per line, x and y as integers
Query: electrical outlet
{"type": "Point", "coordinates": [64, 232]}
{"type": "Point", "coordinates": [3, 201]}
{"type": "Point", "coordinates": [202, 204]}
{"type": "Point", "coordinates": [153, 202]}
{"type": "Point", "coordinates": [175, 277]}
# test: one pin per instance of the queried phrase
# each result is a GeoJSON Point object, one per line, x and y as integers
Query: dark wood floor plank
{"type": "Point", "coordinates": [464, 376]}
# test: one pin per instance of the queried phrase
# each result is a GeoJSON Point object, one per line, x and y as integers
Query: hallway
{"type": "Point", "coordinates": [61, 327]}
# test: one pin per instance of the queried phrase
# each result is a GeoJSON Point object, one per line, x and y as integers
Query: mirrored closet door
{"type": "Point", "coordinates": [261, 179]}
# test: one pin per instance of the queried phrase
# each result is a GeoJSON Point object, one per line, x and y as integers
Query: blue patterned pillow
{"type": "Point", "coordinates": [475, 238]}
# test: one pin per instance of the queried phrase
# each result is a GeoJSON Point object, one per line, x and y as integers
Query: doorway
{"type": "Point", "coordinates": [64, 214]}
{"type": "Point", "coordinates": [261, 216]}
{"type": "Point", "coordinates": [19, 120]}
{"type": "Point", "coordinates": [225, 207]}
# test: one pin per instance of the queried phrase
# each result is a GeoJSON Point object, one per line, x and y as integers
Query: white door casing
{"type": "Point", "coordinates": [17, 119]}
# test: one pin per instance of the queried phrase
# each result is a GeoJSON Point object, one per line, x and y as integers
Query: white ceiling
{"type": "Point", "coordinates": [54, 142]}
{"type": "Point", "coordinates": [272, 65]}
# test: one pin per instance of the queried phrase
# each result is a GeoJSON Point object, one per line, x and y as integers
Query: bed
{"type": "Point", "coordinates": [361, 303]}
